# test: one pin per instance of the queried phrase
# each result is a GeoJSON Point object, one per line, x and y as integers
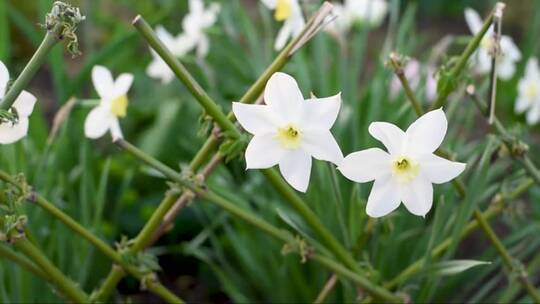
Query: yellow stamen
{"type": "Point", "coordinates": [289, 137]}
{"type": "Point", "coordinates": [405, 169]}
{"type": "Point", "coordinates": [119, 106]}
{"type": "Point", "coordinates": [283, 10]}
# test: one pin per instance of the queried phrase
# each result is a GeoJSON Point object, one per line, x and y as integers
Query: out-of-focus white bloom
{"type": "Point", "coordinates": [113, 104]}
{"type": "Point", "coordinates": [406, 172]}
{"type": "Point", "coordinates": [370, 13]}
{"type": "Point", "coordinates": [289, 130]}
{"type": "Point", "coordinates": [417, 74]}
{"type": "Point", "coordinates": [179, 46]}
{"type": "Point", "coordinates": [290, 12]}
{"type": "Point", "coordinates": [197, 21]}
{"type": "Point", "coordinates": [509, 53]}
{"type": "Point", "coordinates": [23, 106]}
{"type": "Point", "coordinates": [529, 92]}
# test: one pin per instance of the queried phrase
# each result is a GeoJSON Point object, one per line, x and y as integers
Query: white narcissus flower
{"type": "Point", "coordinates": [529, 92]}
{"type": "Point", "coordinates": [289, 130]}
{"type": "Point", "coordinates": [179, 46]}
{"type": "Point", "coordinates": [113, 104]}
{"type": "Point", "coordinates": [509, 54]}
{"type": "Point", "coordinates": [366, 12]}
{"type": "Point", "coordinates": [406, 172]}
{"type": "Point", "coordinates": [23, 105]}
{"type": "Point", "coordinates": [197, 21]}
{"type": "Point", "coordinates": [416, 74]}
{"type": "Point", "coordinates": [290, 12]}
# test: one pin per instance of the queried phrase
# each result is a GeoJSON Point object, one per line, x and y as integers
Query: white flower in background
{"type": "Point", "coordinates": [365, 12]}
{"type": "Point", "coordinates": [290, 12]}
{"type": "Point", "coordinates": [113, 104]}
{"type": "Point", "coordinates": [406, 172]}
{"type": "Point", "coordinates": [289, 130]}
{"type": "Point", "coordinates": [197, 21]}
{"type": "Point", "coordinates": [509, 56]}
{"type": "Point", "coordinates": [417, 74]}
{"type": "Point", "coordinates": [179, 47]}
{"type": "Point", "coordinates": [529, 92]}
{"type": "Point", "coordinates": [23, 105]}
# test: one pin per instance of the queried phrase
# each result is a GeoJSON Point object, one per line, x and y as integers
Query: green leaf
{"type": "Point", "coordinates": [453, 267]}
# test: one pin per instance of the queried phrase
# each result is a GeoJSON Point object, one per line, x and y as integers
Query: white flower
{"type": "Point", "coordinates": [24, 105]}
{"type": "Point", "coordinates": [289, 130]}
{"type": "Point", "coordinates": [510, 54]}
{"type": "Point", "coordinates": [197, 21]}
{"type": "Point", "coordinates": [290, 12]}
{"type": "Point", "coordinates": [416, 74]}
{"type": "Point", "coordinates": [366, 12]}
{"type": "Point", "coordinates": [529, 92]}
{"type": "Point", "coordinates": [113, 105]}
{"type": "Point", "coordinates": [406, 172]}
{"type": "Point", "coordinates": [179, 46]}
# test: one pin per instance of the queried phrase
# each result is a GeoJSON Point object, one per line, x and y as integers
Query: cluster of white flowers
{"type": "Point", "coordinates": [290, 13]}
{"type": "Point", "coordinates": [417, 74]}
{"type": "Point", "coordinates": [193, 37]}
{"type": "Point", "coordinates": [289, 131]}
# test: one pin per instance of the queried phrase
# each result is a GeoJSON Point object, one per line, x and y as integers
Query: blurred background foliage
{"type": "Point", "coordinates": [209, 256]}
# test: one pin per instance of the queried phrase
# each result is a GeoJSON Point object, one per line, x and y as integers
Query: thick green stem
{"type": "Point", "coordinates": [22, 262]}
{"type": "Point", "coordinates": [182, 73]}
{"type": "Point", "coordinates": [67, 287]}
{"type": "Point", "coordinates": [37, 60]}
{"type": "Point", "coordinates": [457, 69]}
{"type": "Point", "coordinates": [154, 287]}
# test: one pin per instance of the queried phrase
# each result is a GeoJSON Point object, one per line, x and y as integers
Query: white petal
{"type": "Point", "coordinates": [533, 116]}
{"type": "Point", "coordinates": [25, 104]}
{"type": "Point", "coordinates": [509, 49]}
{"type": "Point", "coordinates": [256, 119]}
{"type": "Point", "coordinates": [295, 166]}
{"type": "Point", "coordinates": [417, 196]}
{"type": "Point", "coordinates": [196, 6]}
{"type": "Point", "coordinates": [532, 70]}
{"type": "Point", "coordinates": [116, 131]}
{"type": "Point", "coordinates": [506, 69]}
{"type": "Point", "coordinates": [483, 63]}
{"type": "Point", "coordinates": [203, 46]}
{"type": "Point", "coordinates": [321, 113]}
{"type": "Point", "coordinates": [426, 134]}
{"type": "Point", "coordinates": [4, 79]}
{"type": "Point", "coordinates": [366, 165]}
{"type": "Point", "coordinates": [473, 20]}
{"type": "Point", "coordinates": [283, 95]}
{"type": "Point", "coordinates": [522, 104]}
{"type": "Point", "coordinates": [392, 137]}
{"type": "Point", "coordinates": [97, 122]}
{"type": "Point", "coordinates": [263, 151]}
{"type": "Point", "coordinates": [165, 37]}
{"type": "Point", "coordinates": [103, 81]}
{"type": "Point", "coordinates": [12, 133]}
{"type": "Point", "coordinates": [122, 84]}
{"type": "Point", "coordinates": [383, 198]}
{"type": "Point", "coordinates": [439, 170]}
{"type": "Point", "coordinates": [158, 69]}
{"type": "Point", "coordinates": [270, 4]}
{"type": "Point", "coordinates": [283, 35]}
{"type": "Point", "coordinates": [322, 145]}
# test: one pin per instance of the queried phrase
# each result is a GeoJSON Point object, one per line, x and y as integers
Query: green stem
{"type": "Point", "coordinates": [67, 287]}
{"type": "Point", "coordinates": [37, 60]}
{"type": "Point", "coordinates": [142, 239]}
{"type": "Point", "coordinates": [491, 212]}
{"type": "Point", "coordinates": [398, 70]}
{"type": "Point", "coordinates": [22, 262]}
{"type": "Point", "coordinates": [154, 287]}
{"type": "Point", "coordinates": [182, 73]}
{"type": "Point", "coordinates": [457, 69]}
{"type": "Point", "coordinates": [252, 219]}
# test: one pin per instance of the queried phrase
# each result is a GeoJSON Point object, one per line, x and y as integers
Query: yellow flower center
{"type": "Point", "coordinates": [405, 169]}
{"type": "Point", "coordinates": [289, 137]}
{"type": "Point", "coordinates": [283, 10]}
{"type": "Point", "coordinates": [532, 90]}
{"type": "Point", "coordinates": [488, 44]}
{"type": "Point", "coordinates": [119, 106]}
